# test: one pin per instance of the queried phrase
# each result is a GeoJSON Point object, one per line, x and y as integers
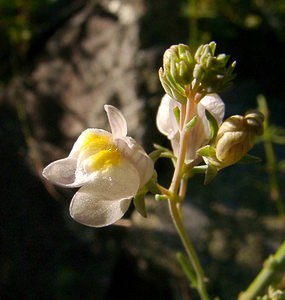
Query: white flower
{"type": "Point", "coordinates": [109, 167]}
{"type": "Point", "coordinates": [200, 134]}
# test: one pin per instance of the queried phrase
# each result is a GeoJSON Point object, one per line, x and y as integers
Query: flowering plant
{"type": "Point", "coordinates": [111, 168]}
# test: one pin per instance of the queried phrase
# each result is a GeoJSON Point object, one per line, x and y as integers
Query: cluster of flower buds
{"type": "Point", "coordinates": [212, 72]}
{"type": "Point", "coordinates": [201, 71]}
{"type": "Point", "coordinates": [198, 76]}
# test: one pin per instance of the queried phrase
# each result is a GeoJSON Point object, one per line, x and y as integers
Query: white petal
{"type": "Point", "coordinates": [201, 132]}
{"type": "Point", "coordinates": [117, 182]}
{"type": "Point", "coordinates": [215, 105]}
{"type": "Point", "coordinates": [117, 121]}
{"type": "Point", "coordinates": [62, 172]}
{"type": "Point", "coordinates": [165, 119]}
{"type": "Point", "coordinates": [88, 211]}
{"type": "Point", "coordinates": [106, 198]}
{"type": "Point", "coordinates": [138, 157]}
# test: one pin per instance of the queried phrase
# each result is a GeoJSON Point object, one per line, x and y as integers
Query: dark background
{"type": "Point", "coordinates": [60, 62]}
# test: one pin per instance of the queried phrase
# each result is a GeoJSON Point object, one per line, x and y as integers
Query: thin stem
{"type": "Point", "coordinates": [178, 184]}
{"type": "Point", "coordinates": [271, 169]}
{"type": "Point", "coordinates": [177, 220]}
{"type": "Point", "coordinates": [265, 276]}
{"type": "Point", "coordinates": [271, 163]}
{"type": "Point", "coordinates": [190, 108]}
{"type": "Point", "coordinates": [182, 190]}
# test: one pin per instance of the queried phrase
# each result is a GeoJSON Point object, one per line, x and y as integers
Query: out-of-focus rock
{"type": "Point", "coordinates": [93, 59]}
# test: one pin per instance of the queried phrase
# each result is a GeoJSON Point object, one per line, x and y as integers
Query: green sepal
{"type": "Point", "coordinates": [191, 123]}
{"type": "Point", "coordinates": [200, 169]}
{"type": "Point", "coordinates": [151, 185]}
{"type": "Point", "coordinates": [176, 112]}
{"type": "Point", "coordinates": [207, 151]}
{"type": "Point", "coordinates": [139, 202]}
{"type": "Point", "coordinates": [195, 170]}
{"type": "Point", "coordinates": [210, 174]}
{"type": "Point", "coordinates": [155, 155]}
{"type": "Point", "coordinates": [214, 126]}
{"type": "Point", "coordinates": [249, 159]}
{"type": "Point", "coordinates": [177, 90]}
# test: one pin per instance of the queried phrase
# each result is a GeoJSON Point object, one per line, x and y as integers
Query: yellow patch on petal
{"type": "Point", "coordinates": [104, 159]}
{"type": "Point", "coordinates": [94, 142]}
{"type": "Point", "coordinates": [98, 151]}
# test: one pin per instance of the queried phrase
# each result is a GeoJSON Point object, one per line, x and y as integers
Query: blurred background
{"type": "Point", "coordinates": [60, 62]}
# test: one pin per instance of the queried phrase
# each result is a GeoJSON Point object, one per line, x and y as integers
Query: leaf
{"type": "Point", "coordinates": [187, 269]}
{"type": "Point", "coordinates": [191, 123]}
{"type": "Point", "coordinates": [176, 112]}
{"type": "Point", "coordinates": [207, 151]}
{"type": "Point", "coordinates": [155, 155]}
{"type": "Point", "coordinates": [210, 174]}
{"type": "Point", "coordinates": [200, 169]}
{"type": "Point", "coordinates": [214, 126]}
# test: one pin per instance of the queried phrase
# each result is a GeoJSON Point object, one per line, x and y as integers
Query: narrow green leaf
{"type": "Point", "coordinates": [155, 155]}
{"type": "Point", "coordinates": [210, 174]}
{"type": "Point", "coordinates": [214, 126]}
{"type": "Point", "coordinates": [200, 169]}
{"type": "Point", "coordinates": [191, 123]}
{"type": "Point", "coordinates": [176, 112]}
{"type": "Point", "coordinates": [187, 269]}
{"type": "Point", "coordinates": [207, 151]}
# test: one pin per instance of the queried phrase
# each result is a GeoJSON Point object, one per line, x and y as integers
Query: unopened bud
{"type": "Point", "coordinates": [211, 70]}
{"type": "Point", "coordinates": [177, 71]}
{"type": "Point", "coordinates": [235, 138]}
{"type": "Point", "coordinates": [204, 71]}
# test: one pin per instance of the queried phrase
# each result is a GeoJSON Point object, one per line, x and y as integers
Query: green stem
{"type": "Point", "coordinates": [272, 265]}
{"type": "Point", "coordinates": [177, 220]}
{"type": "Point", "coordinates": [271, 163]}
{"type": "Point", "coordinates": [271, 169]}
{"type": "Point", "coordinates": [175, 201]}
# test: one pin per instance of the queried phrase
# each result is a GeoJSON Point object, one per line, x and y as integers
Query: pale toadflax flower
{"type": "Point", "coordinates": [109, 168]}
{"type": "Point", "coordinates": [200, 134]}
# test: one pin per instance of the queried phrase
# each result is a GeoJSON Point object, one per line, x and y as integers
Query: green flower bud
{"type": "Point", "coordinates": [235, 138]}
{"type": "Point", "coordinates": [177, 71]}
{"type": "Point", "coordinates": [212, 71]}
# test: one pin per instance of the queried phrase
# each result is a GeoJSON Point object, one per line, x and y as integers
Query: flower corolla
{"type": "Point", "coordinates": [109, 168]}
{"type": "Point", "coordinates": [168, 125]}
